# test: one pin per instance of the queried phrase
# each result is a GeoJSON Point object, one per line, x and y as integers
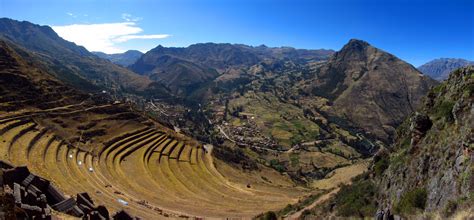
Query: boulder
{"type": "Point", "coordinates": [420, 123]}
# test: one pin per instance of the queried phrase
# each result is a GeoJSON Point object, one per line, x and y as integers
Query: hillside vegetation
{"type": "Point", "coordinates": [429, 170]}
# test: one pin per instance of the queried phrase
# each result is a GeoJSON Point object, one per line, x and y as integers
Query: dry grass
{"type": "Point", "coordinates": [341, 175]}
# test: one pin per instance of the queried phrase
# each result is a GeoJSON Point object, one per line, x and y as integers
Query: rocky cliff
{"type": "Point", "coordinates": [428, 171]}
{"type": "Point", "coordinates": [434, 154]}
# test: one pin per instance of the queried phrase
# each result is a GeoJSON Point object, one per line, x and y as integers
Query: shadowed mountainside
{"type": "Point", "coordinates": [68, 62]}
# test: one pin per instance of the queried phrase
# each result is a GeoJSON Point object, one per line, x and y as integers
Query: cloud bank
{"type": "Point", "coordinates": [105, 37]}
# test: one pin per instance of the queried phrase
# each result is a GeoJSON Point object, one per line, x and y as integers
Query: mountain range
{"type": "Point", "coordinates": [201, 63]}
{"type": "Point", "coordinates": [254, 128]}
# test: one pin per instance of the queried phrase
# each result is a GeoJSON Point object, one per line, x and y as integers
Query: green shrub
{"type": "Point", "coordinates": [288, 208]}
{"type": "Point", "coordinates": [439, 88]}
{"type": "Point", "coordinates": [444, 110]}
{"type": "Point", "coordinates": [277, 165]}
{"type": "Point", "coordinates": [450, 208]}
{"type": "Point", "coordinates": [469, 90]}
{"type": "Point", "coordinates": [306, 213]}
{"type": "Point", "coordinates": [295, 160]}
{"type": "Point", "coordinates": [405, 144]}
{"type": "Point", "coordinates": [380, 166]}
{"type": "Point", "coordinates": [398, 159]}
{"type": "Point", "coordinates": [411, 201]}
{"type": "Point", "coordinates": [267, 216]}
{"type": "Point", "coordinates": [358, 199]}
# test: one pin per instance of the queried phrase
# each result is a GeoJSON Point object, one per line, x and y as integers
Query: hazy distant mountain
{"type": "Point", "coordinates": [124, 59]}
{"type": "Point", "coordinates": [69, 62]}
{"type": "Point", "coordinates": [439, 69]}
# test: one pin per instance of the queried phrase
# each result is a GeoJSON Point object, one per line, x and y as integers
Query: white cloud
{"type": "Point", "coordinates": [71, 14]}
{"type": "Point", "coordinates": [129, 17]}
{"type": "Point", "coordinates": [131, 37]}
{"type": "Point", "coordinates": [103, 37]}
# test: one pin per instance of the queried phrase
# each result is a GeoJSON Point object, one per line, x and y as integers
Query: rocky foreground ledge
{"type": "Point", "coordinates": [24, 195]}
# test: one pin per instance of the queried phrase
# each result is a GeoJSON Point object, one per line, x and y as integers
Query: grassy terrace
{"type": "Point", "coordinates": [153, 171]}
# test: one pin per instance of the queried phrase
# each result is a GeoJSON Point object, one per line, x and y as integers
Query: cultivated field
{"type": "Point", "coordinates": [133, 164]}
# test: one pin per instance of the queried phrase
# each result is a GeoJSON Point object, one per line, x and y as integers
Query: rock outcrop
{"type": "Point", "coordinates": [27, 196]}
{"type": "Point", "coordinates": [420, 124]}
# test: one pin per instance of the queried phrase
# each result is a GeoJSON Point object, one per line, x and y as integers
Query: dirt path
{"type": "Point", "coordinates": [339, 176]}
{"type": "Point", "coordinates": [223, 133]}
{"type": "Point", "coordinates": [318, 201]}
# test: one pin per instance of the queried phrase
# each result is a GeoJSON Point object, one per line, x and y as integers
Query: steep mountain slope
{"type": "Point", "coordinates": [369, 87]}
{"type": "Point", "coordinates": [21, 83]}
{"type": "Point", "coordinates": [181, 76]}
{"type": "Point", "coordinates": [68, 62]}
{"type": "Point", "coordinates": [428, 172]}
{"type": "Point", "coordinates": [439, 69]}
{"type": "Point", "coordinates": [434, 153]}
{"type": "Point", "coordinates": [124, 59]}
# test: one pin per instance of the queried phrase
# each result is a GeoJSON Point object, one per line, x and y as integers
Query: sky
{"type": "Point", "coordinates": [416, 31]}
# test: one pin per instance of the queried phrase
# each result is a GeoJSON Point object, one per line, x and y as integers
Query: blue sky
{"type": "Point", "coordinates": [414, 30]}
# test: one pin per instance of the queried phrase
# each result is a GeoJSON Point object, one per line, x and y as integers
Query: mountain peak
{"type": "Point", "coordinates": [357, 41]}
{"type": "Point", "coordinates": [354, 50]}
{"type": "Point", "coordinates": [356, 44]}
{"type": "Point", "coordinates": [133, 52]}
{"type": "Point", "coordinates": [359, 68]}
